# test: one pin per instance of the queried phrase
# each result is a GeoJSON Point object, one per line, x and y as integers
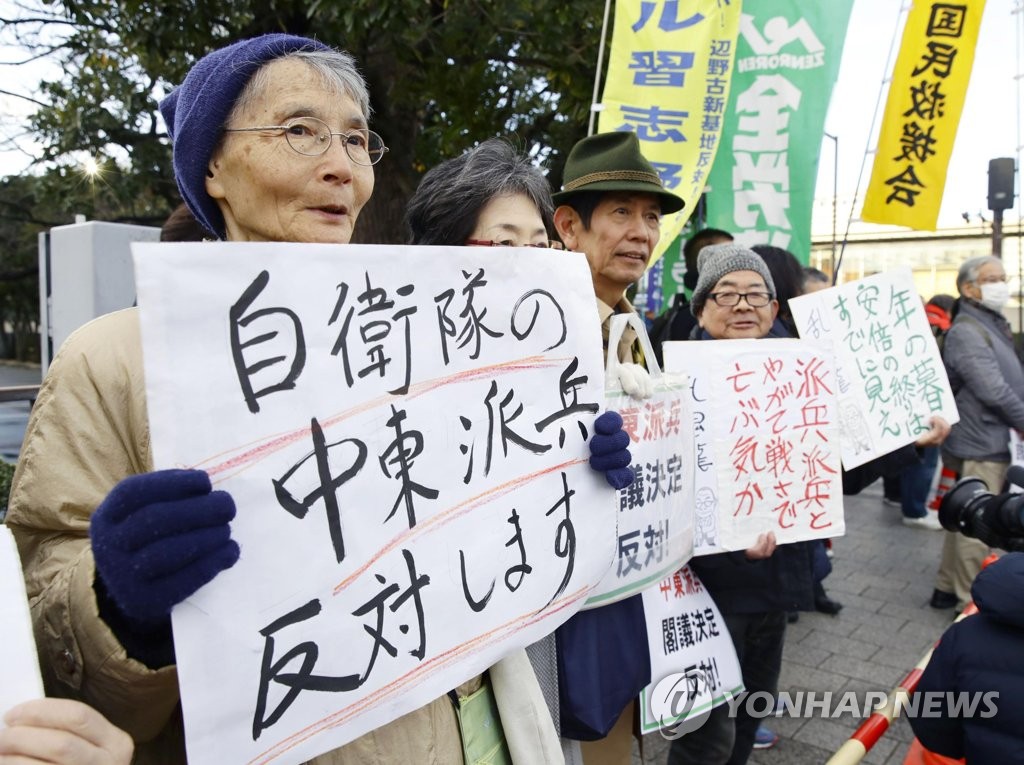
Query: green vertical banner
{"type": "Point", "coordinates": [787, 61]}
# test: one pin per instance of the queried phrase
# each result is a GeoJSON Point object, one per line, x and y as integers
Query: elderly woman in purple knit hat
{"type": "Point", "coordinates": [271, 143]}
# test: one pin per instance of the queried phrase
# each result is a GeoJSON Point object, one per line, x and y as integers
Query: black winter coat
{"type": "Point", "coordinates": [982, 655]}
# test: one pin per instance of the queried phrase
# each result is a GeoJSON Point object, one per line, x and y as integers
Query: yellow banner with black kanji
{"type": "Point", "coordinates": [926, 98]}
{"type": "Point", "coordinates": [668, 81]}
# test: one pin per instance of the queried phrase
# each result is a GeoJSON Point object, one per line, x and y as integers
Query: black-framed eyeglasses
{"type": "Point", "coordinates": [732, 299]}
{"type": "Point", "coordinates": [312, 137]}
{"type": "Point", "coordinates": [551, 244]}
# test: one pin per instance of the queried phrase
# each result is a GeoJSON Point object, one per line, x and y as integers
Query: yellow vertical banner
{"type": "Point", "coordinates": [926, 98]}
{"type": "Point", "coordinates": [668, 81]}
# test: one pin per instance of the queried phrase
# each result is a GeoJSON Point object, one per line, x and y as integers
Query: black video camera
{"type": "Point", "coordinates": [995, 519]}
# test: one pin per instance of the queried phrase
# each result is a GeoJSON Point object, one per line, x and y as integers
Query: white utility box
{"type": "Point", "coordinates": [85, 271]}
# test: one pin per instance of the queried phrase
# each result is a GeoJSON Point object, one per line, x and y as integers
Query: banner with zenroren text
{"type": "Point", "coordinates": [766, 440]}
{"type": "Point", "coordinates": [668, 82]}
{"type": "Point", "coordinates": [922, 112]}
{"type": "Point", "coordinates": [404, 432]}
{"type": "Point", "coordinates": [890, 377]}
{"type": "Point", "coordinates": [787, 61]}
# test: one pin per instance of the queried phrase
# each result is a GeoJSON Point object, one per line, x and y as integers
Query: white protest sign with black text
{"type": "Point", "coordinates": [890, 376]}
{"type": "Point", "coordinates": [768, 408]}
{"type": "Point", "coordinates": [693, 662]}
{"type": "Point", "coordinates": [404, 433]}
{"type": "Point", "coordinates": [19, 665]}
{"type": "Point", "coordinates": [655, 519]}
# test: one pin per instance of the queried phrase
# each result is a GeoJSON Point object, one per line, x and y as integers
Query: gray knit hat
{"type": "Point", "coordinates": [717, 260]}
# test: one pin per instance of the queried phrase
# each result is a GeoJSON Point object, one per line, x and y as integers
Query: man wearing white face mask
{"type": "Point", "coordinates": [988, 383]}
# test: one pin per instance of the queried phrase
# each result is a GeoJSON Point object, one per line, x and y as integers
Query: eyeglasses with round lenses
{"type": "Point", "coordinates": [732, 299]}
{"type": "Point", "coordinates": [551, 244]}
{"type": "Point", "coordinates": [312, 137]}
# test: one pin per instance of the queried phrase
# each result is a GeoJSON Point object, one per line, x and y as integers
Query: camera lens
{"type": "Point", "coordinates": [958, 507]}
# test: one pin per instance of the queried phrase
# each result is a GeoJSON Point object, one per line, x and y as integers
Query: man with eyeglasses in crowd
{"type": "Point", "coordinates": [988, 384]}
{"type": "Point", "coordinates": [610, 209]}
{"type": "Point", "coordinates": [754, 588]}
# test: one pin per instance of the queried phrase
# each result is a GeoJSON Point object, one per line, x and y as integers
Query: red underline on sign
{"type": "Point", "coordinates": [414, 677]}
{"type": "Point", "coordinates": [228, 463]}
{"type": "Point", "coordinates": [438, 520]}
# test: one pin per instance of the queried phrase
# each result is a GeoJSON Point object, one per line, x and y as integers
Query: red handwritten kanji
{"type": "Point", "coordinates": [745, 452]}
{"type": "Point", "coordinates": [777, 455]}
{"type": "Point", "coordinates": [817, 491]}
{"type": "Point", "coordinates": [814, 463]}
{"type": "Point", "coordinates": [813, 378]}
{"type": "Point", "coordinates": [813, 415]}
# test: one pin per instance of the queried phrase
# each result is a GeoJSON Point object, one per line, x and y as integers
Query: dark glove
{"type": "Point", "coordinates": [157, 538]}
{"type": "Point", "coordinates": [608, 452]}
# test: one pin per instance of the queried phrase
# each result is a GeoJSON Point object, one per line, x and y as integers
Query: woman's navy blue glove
{"type": "Point", "coordinates": [157, 538]}
{"type": "Point", "coordinates": [608, 452]}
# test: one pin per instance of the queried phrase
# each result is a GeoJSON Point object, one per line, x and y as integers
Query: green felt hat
{"type": "Point", "coordinates": [613, 162]}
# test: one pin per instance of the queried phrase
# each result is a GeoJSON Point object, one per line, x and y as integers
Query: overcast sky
{"type": "Point", "coordinates": [988, 127]}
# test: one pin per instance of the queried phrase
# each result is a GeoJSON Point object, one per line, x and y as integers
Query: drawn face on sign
{"type": "Point", "coordinates": [624, 229]}
{"type": "Point", "coordinates": [741, 320]}
{"type": "Point", "coordinates": [266, 190]}
{"type": "Point", "coordinates": [511, 220]}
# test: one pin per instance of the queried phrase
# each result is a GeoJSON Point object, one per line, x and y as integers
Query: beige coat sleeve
{"type": "Point", "coordinates": [525, 718]}
{"type": "Point", "coordinates": [88, 430]}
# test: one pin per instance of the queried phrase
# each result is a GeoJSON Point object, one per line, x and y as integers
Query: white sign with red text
{"type": "Point", "coordinates": [768, 438]}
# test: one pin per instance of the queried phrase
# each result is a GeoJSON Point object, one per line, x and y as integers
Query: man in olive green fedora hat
{"type": "Point", "coordinates": [613, 162]}
{"type": "Point", "coordinates": [610, 209]}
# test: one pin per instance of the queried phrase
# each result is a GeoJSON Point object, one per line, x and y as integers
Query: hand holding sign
{"type": "Point", "coordinates": [158, 537]}
{"type": "Point", "coordinates": [608, 452]}
{"type": "Point", "coordinates": [936, 434]}
{"type": "Point", "coordinates": [635, 381]}
{"type": "Point", "coordinates": [62, 732]}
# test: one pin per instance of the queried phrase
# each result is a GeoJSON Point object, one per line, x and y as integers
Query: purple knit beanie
{"type": "Point", "coordinates": [196, 111]}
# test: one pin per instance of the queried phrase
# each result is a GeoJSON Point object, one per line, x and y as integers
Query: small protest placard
{"type": "Point", "coordinates": [404, 433]}
{"type": "Point", "coordinates": [694, 667]}
{"type": "Point", "coordinates": [21, 678]}
{"type": "Point", "coordinates": [655, 519]}
{"type": "Point", "coordinates": [890, 376]}
{"type": "Point", "coordinates": [766, 441]}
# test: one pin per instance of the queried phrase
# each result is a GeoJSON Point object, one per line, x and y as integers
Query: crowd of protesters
{"type": "Point", "coordinates": [271, 142]}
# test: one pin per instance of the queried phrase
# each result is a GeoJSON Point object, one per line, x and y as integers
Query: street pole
{"type": "Point", "coordinates": [835, 197]}
{"type": "Point", "coordinates": [997, 233]}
